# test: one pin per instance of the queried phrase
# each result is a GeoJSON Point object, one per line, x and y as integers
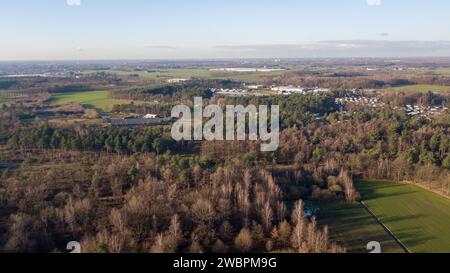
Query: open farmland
{"type": "Point", "coordinates": [442, 71]}
{"type": "Point", "coordinates": [202, 73]}
{"type": "Point", "coordinates": [422, 88]}
{"type": "Point", "coordinates": [418, 218]}
{"type": "Point", "coordinates": [161, 74]}
{"type": "Point", "coordinates": [94, 99]}
{"type": "Point", "coordinates": [10, 96]}
{"type": "Point", "coordinates": [353, 227]}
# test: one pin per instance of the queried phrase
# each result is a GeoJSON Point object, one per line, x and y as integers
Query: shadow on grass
{"type": "Point", "coordinates": [413, 237]}
{"type": "Point", "coordinates": [91, 106]}
{"type": "Point", "coordinates": [396, 219]}
{"type": "Point", "coordinates": [353, 227]}
{"type": "Point", "coordinates": [381, 189]}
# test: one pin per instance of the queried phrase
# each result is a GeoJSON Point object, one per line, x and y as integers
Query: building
{"type": "Point", "coordinates": [140, 122]}
{"type": "Point", "coordinates": [254, 86]}
{"type": "Point", "coordinates": [150, 116]}
{"type": "Point", "coordinates": [106, 117]}
{"type": "Point", "coordinates": [288, 89]}
{"type": "Point", "coordinates": [321, 90]}
{"type": "Point", "coordinates": [176, 80]}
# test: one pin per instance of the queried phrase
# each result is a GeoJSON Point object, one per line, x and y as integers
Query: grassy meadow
{"type": "Point", "coordinates": [419, 218]}
{"type": "Point", "coordinates": [94, 99]}
{"type": "Point", "coordinates": [170, 73]}
{"type": "Point", "coordinates": [442, 71]}
{"type": "Point", "coordinates": [187, 73]}
{"type": "Point", "coordinates": [353, 227]}
{"type": "Point", "coordinates": [422, 88]}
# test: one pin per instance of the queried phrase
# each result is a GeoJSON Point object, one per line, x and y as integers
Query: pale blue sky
{"type": "Point", "coordinates": [149, 29]}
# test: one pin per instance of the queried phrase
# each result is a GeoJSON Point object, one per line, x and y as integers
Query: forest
{"type": "Point", "coordinates": [137, 190]}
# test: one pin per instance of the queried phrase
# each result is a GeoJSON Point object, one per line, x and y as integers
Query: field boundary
{"type": "Point", "coordinates": [424, 187]}
{"type": "Point", "coordinates": [405, 248]}
{"type": "Point", "coordinates": [417, 183]}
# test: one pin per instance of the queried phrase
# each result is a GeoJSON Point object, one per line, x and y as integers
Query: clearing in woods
{"type": "Point", "coordinates": [95, 99]}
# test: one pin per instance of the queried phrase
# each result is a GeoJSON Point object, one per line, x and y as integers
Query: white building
{"type": "Point", "coordinates": [288, 89]}
{"type": "Point", "coordinates": [254, 86]}
{"type": "Point", "coordinates": [321, 90]}
{"type": "Point", "coordinates": [149, 116]}
{"type": "Point", "coordinates": [176, 80]}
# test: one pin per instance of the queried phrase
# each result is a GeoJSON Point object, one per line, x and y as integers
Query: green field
{"type": "Point", "coordinates": [352, 227]}
{"type": "Point", "coordinates": [419, 218]}
{"type": "Point", "coordinates": [442, 71]}
{"type": "Point", "coordinates": [195, 73]}
{"type": "Point", "coordinates": [170, 73]}
{"type": "Point", "coordinates": [92, 99]}
{"type": "Point", "coordinates": [422, 88]}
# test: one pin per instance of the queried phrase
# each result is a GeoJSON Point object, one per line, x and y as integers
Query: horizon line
{"type": "Point", "coordinates": [222, 59]}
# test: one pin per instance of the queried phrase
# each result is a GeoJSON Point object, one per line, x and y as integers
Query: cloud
{"type": "Point", "coordinates": [347, 45]}
{"type": "Point", "coordinates": [344, 48]}
{"type": "Point", "coordinates": [385, 34]}
{"type": "Point", "coordinates": [73, 2]}
{"type": "Point", "coordinates": [374, 2]}
{"type": "Point", "coordinates": [161, 47]}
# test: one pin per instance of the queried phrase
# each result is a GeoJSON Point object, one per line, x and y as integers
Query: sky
{"type": "Point", "coordinates": [191, 29]}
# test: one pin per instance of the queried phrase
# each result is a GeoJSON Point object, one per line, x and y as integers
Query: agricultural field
{"type": "Point", "coordinates": [352, 227]}
{"type": "Point", "coordinates": [251, 77]}
{"type": "Point", "coordinates": [195, 73]}
{"type": "Point", "coordinates": [170, 73]}
{"type": "Point", "coordinates": [422, 88]}
{"type": "Point", "coordinates": [417, 217]}
{"type": "Point", "coordinates": [10, 96]}
{"type": "Point", "coordinates": [442, 71]}
{"type": "Point", "coordinates": [93, 99]}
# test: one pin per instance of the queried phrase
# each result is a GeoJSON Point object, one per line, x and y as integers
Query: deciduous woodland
{"type": "Point", "coordinates": [135, 189]}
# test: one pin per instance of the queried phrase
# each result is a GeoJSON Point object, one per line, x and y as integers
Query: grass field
{"type": "Point", "coordinates": [442, 71]}
{"type": "Point", "coordinates": [352, 227]}
{"type": "Point", "coordinates": [169, 73]}
{"type": "Point", "coordinates": [94, 99]}
{"type": "Point", "coordinates": [419, 218]}
{"type": "Point", "coordinates": [196, 73]}
{"type": "Point", "coordinates": [422, 88]}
